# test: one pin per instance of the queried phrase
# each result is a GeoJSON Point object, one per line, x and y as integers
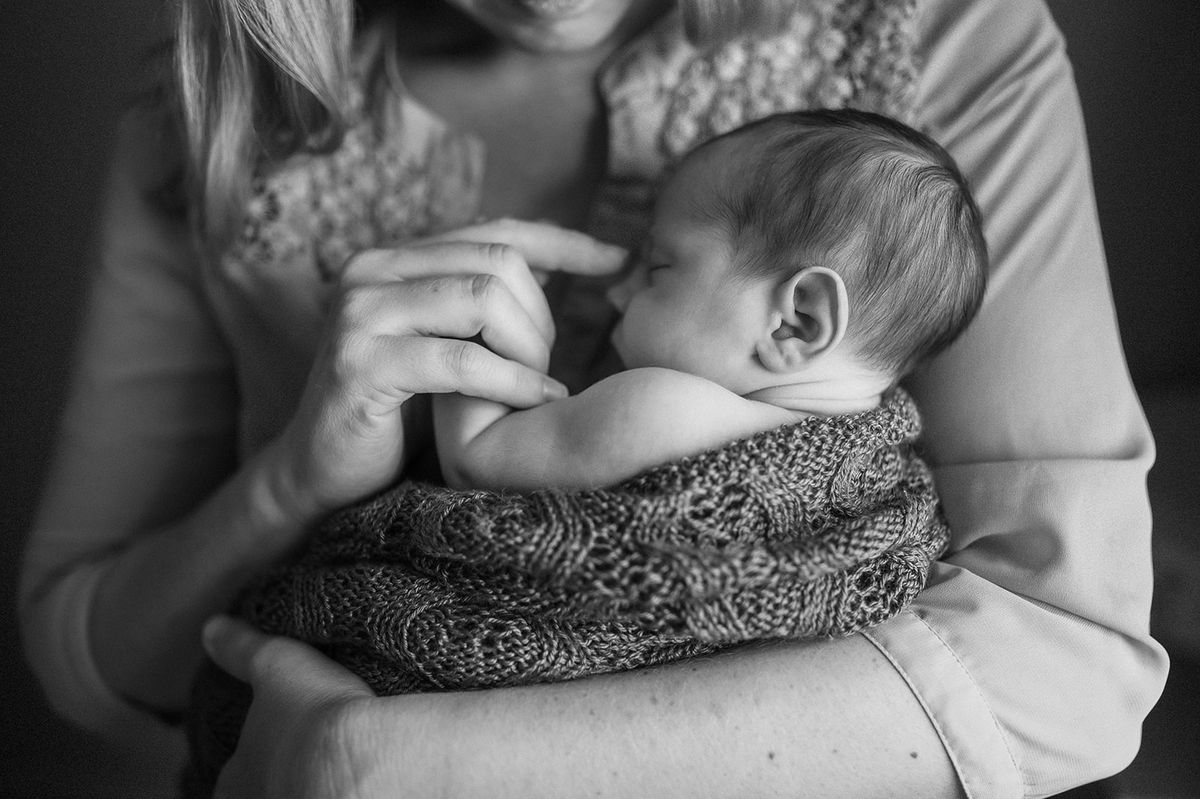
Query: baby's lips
{"type": "Point", "coordinates": [618, 296]}
{"type": "Point", "coordinates": [632, 280]}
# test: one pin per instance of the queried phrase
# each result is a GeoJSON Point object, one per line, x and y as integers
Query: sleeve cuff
{"type": "Point", "coordinates": [58, 647]}
{"type": "Point", "coordinates": [954, 703]}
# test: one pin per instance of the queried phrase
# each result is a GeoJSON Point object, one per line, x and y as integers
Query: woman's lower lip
{"type": "Point", "coordinates": [553, 9]}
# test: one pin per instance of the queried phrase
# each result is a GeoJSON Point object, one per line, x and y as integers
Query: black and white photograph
{"type": "Point", "coordinates": [550, 399]}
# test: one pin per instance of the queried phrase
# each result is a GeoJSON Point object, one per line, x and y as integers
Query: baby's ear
{"type": "Point", "coordinates": [809, 316]}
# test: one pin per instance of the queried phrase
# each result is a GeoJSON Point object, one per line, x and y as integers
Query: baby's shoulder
{"type": "Point", "coordinates": [670, 398]}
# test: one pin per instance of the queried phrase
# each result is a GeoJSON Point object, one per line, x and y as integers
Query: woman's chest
{"type": "Point", "coordinates": [542, 134]}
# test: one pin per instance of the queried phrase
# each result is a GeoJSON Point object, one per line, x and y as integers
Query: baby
{"type": "Point", "coordinates": [798, 266]}
{"type": "Point", "coordinates": [750, 475]}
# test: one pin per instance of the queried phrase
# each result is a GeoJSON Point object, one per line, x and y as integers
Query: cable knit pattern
{"type": "Point", "coordinates": [816, 529]}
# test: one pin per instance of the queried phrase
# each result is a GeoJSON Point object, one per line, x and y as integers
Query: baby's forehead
{"type": "Point", "coordinates": [723, 158]}
{"type": "Point", "coordinates": [706, 181]}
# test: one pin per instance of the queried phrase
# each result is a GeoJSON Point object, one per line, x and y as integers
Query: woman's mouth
{"type": "Point", "coordinates": [553, 9]}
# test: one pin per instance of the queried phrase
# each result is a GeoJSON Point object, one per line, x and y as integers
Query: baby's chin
{"type": "Point", "coordinates": [633, 354]}
{"type": "Point", "coordinates": [631, 359]}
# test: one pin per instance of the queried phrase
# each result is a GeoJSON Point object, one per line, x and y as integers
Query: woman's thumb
{"type": "Point", "coordinates": [275, 662]}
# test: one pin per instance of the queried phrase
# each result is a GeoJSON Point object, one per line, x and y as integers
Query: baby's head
{"type": "Point", "coordinates": [800, 236]}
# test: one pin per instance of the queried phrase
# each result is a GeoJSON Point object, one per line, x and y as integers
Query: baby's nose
{"type": "Point", "coordinates": [619, 294]}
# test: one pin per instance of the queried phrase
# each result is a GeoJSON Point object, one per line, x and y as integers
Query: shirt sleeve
{"type": "Point", "coordinates": [1030, 648]}
{"type": "Point", "coordinates": [147, 432]}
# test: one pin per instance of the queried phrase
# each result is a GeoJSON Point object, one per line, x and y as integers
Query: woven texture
{"type": "Point", "coordinates": [817, 529]}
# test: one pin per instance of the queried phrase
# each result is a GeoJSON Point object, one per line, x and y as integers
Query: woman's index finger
{"type": "Point", "coordinates": [547, 246]}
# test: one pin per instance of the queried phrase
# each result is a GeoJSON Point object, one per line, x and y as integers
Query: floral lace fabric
{"type": "Point", "coordinates": [374, 190]}
{"type": "Point", "coordinates": [665, 96]}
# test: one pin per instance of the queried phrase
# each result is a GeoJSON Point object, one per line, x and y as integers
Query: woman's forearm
{"type": "Point", "coordinates": [157, 590]}
{"type": "Point", "coordinates": [827, 719]}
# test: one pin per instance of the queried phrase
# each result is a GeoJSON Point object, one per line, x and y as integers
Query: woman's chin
{"type": "Point", "coordinates": [548, 26]}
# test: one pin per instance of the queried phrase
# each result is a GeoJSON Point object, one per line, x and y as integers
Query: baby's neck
{"type": "Point", "coordinates": [827, 396]}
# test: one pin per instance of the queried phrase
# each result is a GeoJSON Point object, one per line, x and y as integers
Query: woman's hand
{"type": "Point", "coordinates": [462, 312]}
{"type": "Point", "coordinates": [293, 741]}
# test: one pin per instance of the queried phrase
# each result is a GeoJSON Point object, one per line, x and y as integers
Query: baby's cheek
{"type": "Point", "coordinates": [630, 339]}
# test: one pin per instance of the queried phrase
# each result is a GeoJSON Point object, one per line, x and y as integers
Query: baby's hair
{"type": "Point", "coordinates": [881, 204]}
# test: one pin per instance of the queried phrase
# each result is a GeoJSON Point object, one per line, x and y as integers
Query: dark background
{"type": "Point", "coordinates": [65, 69]}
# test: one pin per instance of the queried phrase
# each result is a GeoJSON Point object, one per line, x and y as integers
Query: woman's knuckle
{"type": "Point", "coordinates": [503, 258]}
{"type": "Point", "coordinates": [366, 261]}
{"type": "Point", "coordinates": [507, 224]}
{"type": "Point", "coordinates": [358, 303]}
{"type": "Point", "coordinates": [351, 356]}
{"type": "Point", "coordinates": [461, 358]}
{"type": "Point", "coordinates": [482, 287]}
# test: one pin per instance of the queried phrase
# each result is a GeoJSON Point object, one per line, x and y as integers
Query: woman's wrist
{"type": "Point", "coordinates": [278, 508]}
{"type": "Point", "coordinates": [397, 746]}
{"type": "Point", "coordinates": [155, 594]}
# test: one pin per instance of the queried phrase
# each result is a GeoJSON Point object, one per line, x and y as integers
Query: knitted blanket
{"type": "Point", "coordinates": [821, 528]}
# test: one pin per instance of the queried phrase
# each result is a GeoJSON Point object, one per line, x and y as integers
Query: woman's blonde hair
{"type": "Point", "coordinates": [262, 79]}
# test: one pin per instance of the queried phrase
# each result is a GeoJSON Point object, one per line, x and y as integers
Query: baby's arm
{"type": "Point", "coordinates": [615, 429]}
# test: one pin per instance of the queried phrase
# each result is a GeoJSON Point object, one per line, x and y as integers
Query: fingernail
{"type": "Point", "coordinates": [553, 390]}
